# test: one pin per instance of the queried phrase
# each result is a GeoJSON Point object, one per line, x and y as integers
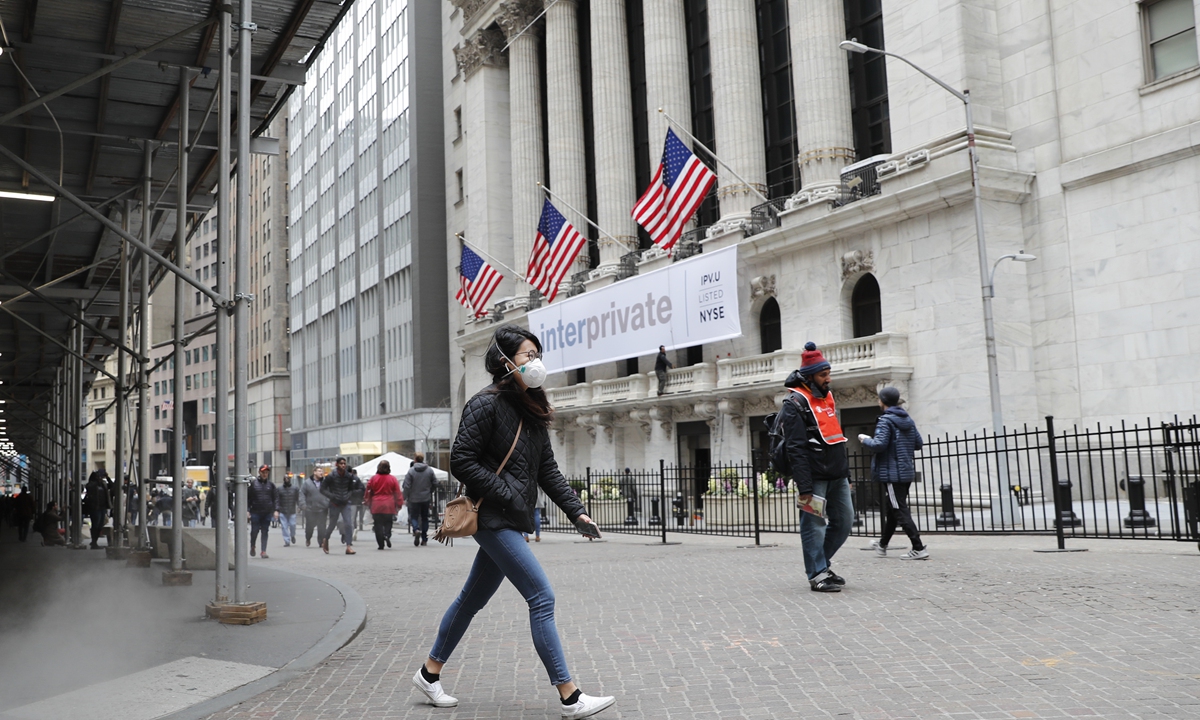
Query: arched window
{"type": "Point", "coordinates": [769, 329]}
{"type": "Point", "coordinates": [864, 307]}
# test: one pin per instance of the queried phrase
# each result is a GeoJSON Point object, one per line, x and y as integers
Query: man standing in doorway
{"type": "Point", "coordinates": [816, 449]}
{"type": "Point", "coordinates": [661, 365]}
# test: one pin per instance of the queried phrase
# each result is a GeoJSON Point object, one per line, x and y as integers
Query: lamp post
{"type": "Point", "coordinates": [985, 277]}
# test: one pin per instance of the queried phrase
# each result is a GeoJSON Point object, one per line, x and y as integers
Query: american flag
{"type": "Point", "coordinates": [554, 249]}
{"type": "Point", "coordinates": [676, 190]}
{"type": "Point", "coordinates": [478, 279]}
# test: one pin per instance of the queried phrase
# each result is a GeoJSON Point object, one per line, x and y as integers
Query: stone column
{"type": "Point", "coordinates": [737, 106]}
{"type": "Point", "coordinates": [525, 126]}
{"type": "Point", "coordinates": [821, 78]}
{"type": "Point", "coordinates": [568, 164]}
{"type": "Point", "coordinates": [612, 96]}
{"type": "Point", "coordinates": [667, 79]}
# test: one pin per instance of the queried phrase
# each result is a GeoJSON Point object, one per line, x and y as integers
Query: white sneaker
{"type": "Point", "coordinates": [880, 551]}
{"type": "Point", "coordinates": [922, 554]}
{"type": "Point", "coordinates": [437, 696]}
{"type": "Point", "coordinates": [586, 706]}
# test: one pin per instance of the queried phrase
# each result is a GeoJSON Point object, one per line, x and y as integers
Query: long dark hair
{"type": "Point", "coordinates": [532, 402]}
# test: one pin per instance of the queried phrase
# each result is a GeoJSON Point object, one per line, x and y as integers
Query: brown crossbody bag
{"type": "Point", "coordinates": [461, 517]}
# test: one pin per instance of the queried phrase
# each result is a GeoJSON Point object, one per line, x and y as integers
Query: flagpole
{"type": "Point", "coordinates": [712, 154]}
{"type": "Point", "coordinates": [463, 240]}
{"type": "Point", "coordinates": [549, 192]}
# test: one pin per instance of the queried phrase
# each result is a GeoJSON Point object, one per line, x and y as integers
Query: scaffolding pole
{"type": "Point", "coordinates": [178, 435]}
{"type": "Point", "coordinates": [223, 266]}
{"type": "Point", "coordinates": [241, 271]}
{"type": "Point", "coordinates": [144, 350]}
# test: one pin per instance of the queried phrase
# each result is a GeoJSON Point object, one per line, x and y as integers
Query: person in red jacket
{"type": "Point", "coordinates": [385, 500]}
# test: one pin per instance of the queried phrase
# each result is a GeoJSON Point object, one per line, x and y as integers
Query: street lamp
{"type": "Point", "coordinates": [985, 277]}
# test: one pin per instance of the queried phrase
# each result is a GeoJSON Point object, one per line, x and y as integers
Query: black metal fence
{"type": "Point", "coordinates": [1120, 482]}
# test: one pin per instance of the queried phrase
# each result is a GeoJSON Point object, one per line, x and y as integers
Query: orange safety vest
{"type": "Point", "coordinates": [825, 411]}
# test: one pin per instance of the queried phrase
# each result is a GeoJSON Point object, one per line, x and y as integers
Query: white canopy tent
{"type": "Point", "coordinates": [400, 465]}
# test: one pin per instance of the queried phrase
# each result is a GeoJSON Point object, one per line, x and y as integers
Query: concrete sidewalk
{"type": "Point", "coordinates": [90, 637]}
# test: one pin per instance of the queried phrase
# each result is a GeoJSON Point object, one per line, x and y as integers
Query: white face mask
{"type": "Point", "coordinates": [533, 373]}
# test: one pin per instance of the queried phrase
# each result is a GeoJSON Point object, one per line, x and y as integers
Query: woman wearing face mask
{"type": "Point", "coordinates": [512, 408]}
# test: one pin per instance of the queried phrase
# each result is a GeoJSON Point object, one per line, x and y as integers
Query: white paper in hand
{"type": "Point", "coordinates": [814, 506]}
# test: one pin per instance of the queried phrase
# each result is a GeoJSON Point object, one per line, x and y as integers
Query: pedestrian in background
{"type": "Point", "coordinates": [191, 504]}
{"type": "Point", "coordinates": [385, 500]}
{"type": "Point", "coordinates": [894, 445]}
{"type": "Point", "coordinates": [289, 502]}
{"type": "Point", "coordinates": [661, 365]}
{"type": "Point", "coordinates": [47, 525]}
{"type": "Point", "coordinates": [502, 455]}
{"type": "Point", "coordinates": [23, 512]}
{"type": "Point", "coordinates": [418, 486]}
{"type": "Point", "coordinates": [341, 486]}
{"type": "Point", "coordinates": [816, 449]}
{"type": "Point", "coordinates": [315, 507]}
{"type": "Point", "coordinates": [96, 505]}
{"type": "Point", "coordinates": [263, 503]}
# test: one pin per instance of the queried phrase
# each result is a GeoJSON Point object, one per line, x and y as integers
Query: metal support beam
{"type": "Point", "coordinates": [224, 112]}
{"type": "Point", "coordinates": [122, 400]}
{"type": "Point", "coordinates": [70, 350]}
{"type": "Point", "coordinates": [75, 415]}
{"type": "Point", "coordinates": [143, 467]}
{"type": "Point", "coordinates": [241, 431]}
{"type": "Point", "coordinates": [105, 221]}
{"type": "Point", "coordinates": [107, 69]}
{"type": "Point", "coordinates": [63, 224]}
{"type": "Point", "coordinates": [177, 451]}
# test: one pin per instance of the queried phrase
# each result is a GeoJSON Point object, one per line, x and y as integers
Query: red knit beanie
{"type": "Point", "coordinates": [811, 360]}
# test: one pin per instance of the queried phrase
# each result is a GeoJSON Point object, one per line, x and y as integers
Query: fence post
{"type": "Point", "coordinates": [587, 487]}
{"type": "Point", "coordinates": [1058, 516]}
{"type": "Point", "coordinates": [1138, 517]}
{"type": "Point", "coordinates": [754, 499]}
{"type": "Point", "coordinates": [662, 498]}
{"type": "Point", "coordinates": [947, 518]}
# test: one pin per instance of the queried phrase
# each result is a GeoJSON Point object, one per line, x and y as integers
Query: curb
{"type": "Point", "coordinates": [348, 626]}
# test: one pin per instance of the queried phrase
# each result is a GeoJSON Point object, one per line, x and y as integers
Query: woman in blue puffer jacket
{"type": "Point", "coordinates": [895, 442]}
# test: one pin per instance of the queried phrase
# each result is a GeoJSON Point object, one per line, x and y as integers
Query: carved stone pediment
{"type": "Point", "coordinates": [857, 261]}
{"type": "Point", "coordinates": [468, 8]}
{"type": "Point", "coordinates": [516, 15]}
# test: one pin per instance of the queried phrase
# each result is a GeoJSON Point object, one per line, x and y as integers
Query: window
{"type": "Point", "coordinates": [864, 307]}
{"type": "Point", "coordinates": [157, 413]}
{"type": "Point", "coordinates": [458, 179]}
{"type": "Point", "coordinates": [868, 80]}
{"type": "Point", "coordinates": [197, 298]}
{"type": "Point", "coordinates": [769, 327]}
{"type": "Point", "coordinates": [779, 117]}
{"type": "Point", "coordinates": [458, 123]}
{"type": "Point", "coordinates": [157, 435]}
{"type": "Point", "coordinates": [1169, 27]}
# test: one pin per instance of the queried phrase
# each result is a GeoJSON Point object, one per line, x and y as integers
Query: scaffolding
{"type": "Point", "coordinates": [121, 125]}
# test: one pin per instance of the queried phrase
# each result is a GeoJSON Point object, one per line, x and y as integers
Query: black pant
{"type": "Point", "coordinates": [895, 509]}
{"type": "Point", "coordinates": [383, 527]}
{"type": "Point", "coordinates": [97, 525]}
{"type": "Point", "coordinates": [22, 529]}
{"type": "Point", "coordinates": [314, 520]}
{"type": "Point", "coordinates": [260, 522]}
{"type": "Point", "coordinates": [418, 516]}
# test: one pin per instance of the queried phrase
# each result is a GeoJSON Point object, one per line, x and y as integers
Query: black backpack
{"type": "Point", "coordinates": [777, 455]}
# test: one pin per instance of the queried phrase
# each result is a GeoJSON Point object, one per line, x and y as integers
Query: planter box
{"type": "Point", "coordinates": [607, 512]}
{"type": "Point", "coordinates": [728, 510]}
{"type": "Point", "coordinates": [778, 510]}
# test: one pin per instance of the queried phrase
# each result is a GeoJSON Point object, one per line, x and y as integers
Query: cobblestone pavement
{"type": "Point", "coordinates": [985, 629]}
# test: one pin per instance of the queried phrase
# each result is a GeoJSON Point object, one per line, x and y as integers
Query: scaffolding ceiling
{"type": "Point", "coordinates": [56, 259]}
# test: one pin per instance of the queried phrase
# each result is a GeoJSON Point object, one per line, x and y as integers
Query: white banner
{"type": "Point", "coordinates": [687, 303]}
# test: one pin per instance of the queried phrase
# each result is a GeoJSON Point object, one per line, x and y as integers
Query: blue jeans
{"type": "Point", "coordinates": [505, 554]}
{"type": "Point", "coordinates": [822, 540]}
{"type": "Point", "coordinates": [345, 514]}
{"type": "Point", "coordinates": [260, 521]}
{"type": "Point", "coordinates": [287, 523]}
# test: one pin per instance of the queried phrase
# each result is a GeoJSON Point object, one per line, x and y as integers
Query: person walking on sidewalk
{"type": "Point", "coordinates": [263, 503]}
{"type": "Point", "coordinates": [289, 502]}
{"type": "Point", "coordinates": [191, 504]}
{"type": "Point", "coordinates": [502, 454]}
{"type": "Point", "coordinates": [95, 505]}
{"type": "Point", "coordinates": [661, 365]}
{"type": "Point", "coordinates": [816, 449]}
{"type": "Point", "coordinates": [418, 493]}
{"type": "Point", "coordinates": [384, 498]}
{"type": "Point", "coordinates": [341, 486]}
{"type": "Point", "coordinates": [315, 507]}
{"type": "Point", "coordinates": [23, 512]}
{"type": "Point", "coordinates": [896, 441]}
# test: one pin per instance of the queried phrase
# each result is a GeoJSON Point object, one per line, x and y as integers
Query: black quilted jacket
{"type": "Point", "coordinates": [489, 423]}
